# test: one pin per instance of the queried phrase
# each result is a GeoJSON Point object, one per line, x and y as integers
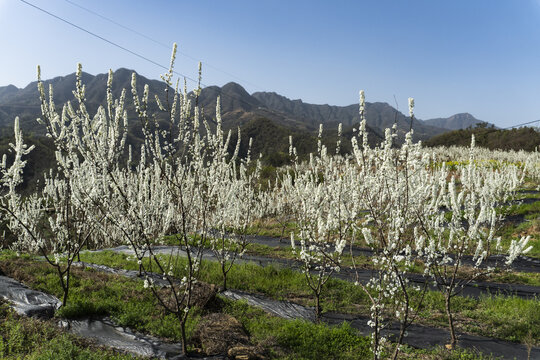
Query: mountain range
{"type": "Point", "coordinates": [238, 107]}
{"type": "Point", "coordinates": [455, 122]}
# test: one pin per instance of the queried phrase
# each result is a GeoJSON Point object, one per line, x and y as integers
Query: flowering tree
{"type": "Point", "coordinates": [55, 221]}
{"type": "Point", "coordinates": [469, 226]}
{"type": "Point", "coordinates": [280, 206]}
{"type": "Point", "coordinates": [94, 191]}
{"type": "Point", "coordinates": [324, 214]}
{"type": "Point", "coordinates": [170, 191]}
{"type": "Point", "coordinates": [182, 185]}
{"type": "Point", "coordinates": [406, 195]}
{"type": "Point", "coordinates": [392, 190]}
{"type": "Point", "coordinates": [12, 175]}
{"type": "Point", "coordinates": [240, 203]}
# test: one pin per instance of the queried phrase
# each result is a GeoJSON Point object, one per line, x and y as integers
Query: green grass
{"type": "Point", "coordinates": [511, 318]}
{"type": "Point", "coordinates": [32, 339]}
{"type": "Point", "coordinates": [513, 277]}
{"type": "Point", "coordinates": [129, 304]}
{"type": "Point", "coordinates": [306, 339]}
{"type": "Point", "coordinates": [343, 296]}
{"type": "Point", "coordinates": [283, 339]}
{"type": "Point", "coordinates": [531, 213]}
{"type": "Point", "coordinates": [276, 282]}
{"type": "Point", "coordinates": [93, 293]}
{"type": "Point", "coordinates": [505, 317]}
{"type": "Point", "coordinates": [441, 353]}
{"type": "Point", "coordinates": [502, 276]}
{"type": "Point", "coordinates": [515, 232]}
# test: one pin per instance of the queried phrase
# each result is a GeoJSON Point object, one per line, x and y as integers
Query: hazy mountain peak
{"type": "Point", "coordinates": [232, 87]}
{"type": "Point", "coordinates": [455, 122]}
{"type": "Point", "coordinates": [7, 91]}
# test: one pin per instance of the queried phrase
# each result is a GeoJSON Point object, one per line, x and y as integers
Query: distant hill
{"type": "Point", "coordinates": [525, 138]}
{"type": "Point", "coordinates": [456, 122]}
{"type": "Point", "coordinates": [379, 115]}
{"type": "Point", "coordinates": [39, 160]}
{"type": "Point", "coordinates": [238, 106]}
{"type": "Point", "coordinates": [272, 140]}
{"type": "Point", "coordinates": [7, 91]}
{"type": "Point", "coordinates": [268, 113]}
{"type": "Point", "coordinates": [25, 102]}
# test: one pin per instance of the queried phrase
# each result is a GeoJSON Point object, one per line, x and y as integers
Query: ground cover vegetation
{"type": "Point", "coordinates": [27, 338]}
{"type": "Point", "coordinates": [282, 283]}
{"type": "Point", "coordinates": [415, 209]}
{"type": "Point", "coordinates": [98, 294]}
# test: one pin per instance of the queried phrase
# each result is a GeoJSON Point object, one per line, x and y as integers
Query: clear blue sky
{"type": "Point", "coordinates": [477, 56]}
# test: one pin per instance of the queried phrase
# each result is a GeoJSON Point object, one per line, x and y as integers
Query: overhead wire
{"type": "Point", "coordinates": [105, 39]}
{"type": "Point", "coordinates": [118, 24]}
{"type": "Point", "coordinates": [206, 64]}
{"type": "Point", "coordinates": [134, 53]}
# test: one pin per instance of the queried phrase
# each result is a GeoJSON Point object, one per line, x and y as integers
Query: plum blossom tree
{"type": "Point", "coordinates": [182, 186]}
{"type": "Point", "coordinates": [324, 213]}
{"type": "Point", "coordinates": [406, 196]}
{"type": "Point", "coordinates": [392, 191]}
{"type": "Point", "coordinates": [56, 221]}
{"type": "Point", "coordinates": [469, 226]}
{"type": "Point", "coordinates": [172, 190]}
{"type": "Point", "coordinates": [240, 204]}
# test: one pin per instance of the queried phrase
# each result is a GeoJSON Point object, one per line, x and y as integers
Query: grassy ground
{"type": "Point", "coordinates": [32, 339]}
{"type": "Point", "coordinates": [129, 304]}
{"type": "Point", "coordinates": [511, 229]}
{"type": "Point", "coordinates": [343, 296]}
{"type": "Point", "coordinates": [363, 262]}
{"type": "Point", "coordinates": [502, 276]}
{"type": "Point", "coordinates": [531, 226]}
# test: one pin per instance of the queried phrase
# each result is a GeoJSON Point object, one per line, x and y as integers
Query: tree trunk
{"type": "Point", "coordinates": [224, 276]}
{"type": "Point", "coordinates": [318, 307]}
{"type": "Point", "coordinates": [403, 326]}
{"type": "Point", "coordinates": [64, 284]}
{"type": "Point", "coordinates": [376, 337]}
{"type": "Point", "coordinates": [184, 340]}
{"type": "Point", "coordinates": [66, 289]}
{"type": "Point", "coordinates": [453, 339]}
{"type": "Point", "coordinates": [65, 298]}
{"type": "Point", "coordinates": [399, 342]}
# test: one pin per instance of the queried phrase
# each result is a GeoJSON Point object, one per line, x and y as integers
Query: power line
{"type": "Point", "coordinates": [131, 51]}
{"type": "Point", "coordinates": [150, 60]}
{"type": "Point", "coordinates": [106, 40]}
{"type": "Point", "coordinates": [118, 24]}
{"type": "Point", "coordinates": [161, 44]}
{"type": "Point", "coordinates": [513, 126]}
